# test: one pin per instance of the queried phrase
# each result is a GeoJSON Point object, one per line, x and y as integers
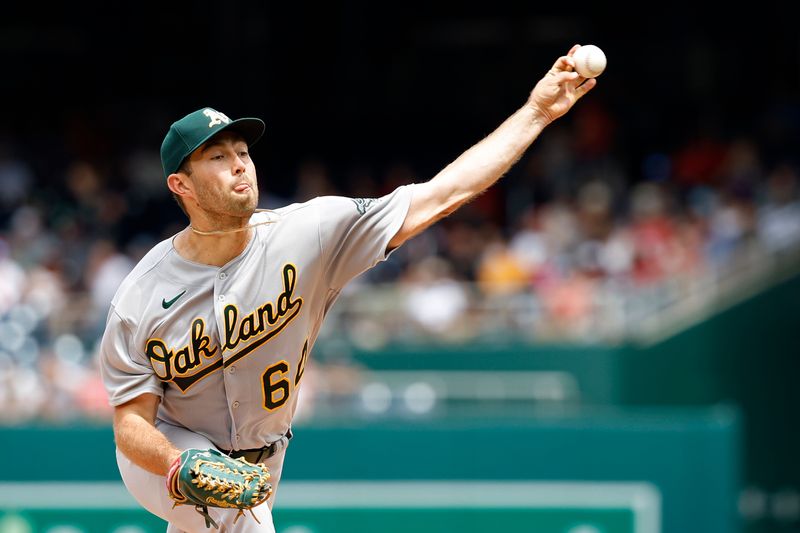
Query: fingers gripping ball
{"type": "Point", "coordinates": [208, 478]}
{"type": "Point", "coordinates": [590, 61]}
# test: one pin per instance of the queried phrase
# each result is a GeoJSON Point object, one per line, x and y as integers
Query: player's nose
{"type": "Point", "coordinates": [238, 166]}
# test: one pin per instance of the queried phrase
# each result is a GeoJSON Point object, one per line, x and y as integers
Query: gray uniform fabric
{"type": "Point", "coordinates": [225, 348]}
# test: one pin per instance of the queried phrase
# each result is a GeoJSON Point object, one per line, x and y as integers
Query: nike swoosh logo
{"type": "Point", "coordinates": [166, 304]}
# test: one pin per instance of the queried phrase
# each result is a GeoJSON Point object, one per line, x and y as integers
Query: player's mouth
{"type": "Point", "coordinates": [242, 187]}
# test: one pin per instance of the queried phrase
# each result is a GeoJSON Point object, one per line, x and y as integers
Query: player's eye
{"type": "Point", "coordinates": [243, 154]}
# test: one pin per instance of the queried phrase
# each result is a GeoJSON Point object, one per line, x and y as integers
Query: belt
{"type": "Point", "coordinates": [256, 455]}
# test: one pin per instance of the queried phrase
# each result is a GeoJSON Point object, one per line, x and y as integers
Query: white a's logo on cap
{"type": "Point", "coordinates": [215, 117]}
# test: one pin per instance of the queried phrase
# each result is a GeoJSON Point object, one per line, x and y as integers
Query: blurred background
{"type": "Point", "coordinates": [605, 341]}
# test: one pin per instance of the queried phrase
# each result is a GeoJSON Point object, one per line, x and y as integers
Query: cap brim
{"type": "Point", "coordinates": [250, 128]}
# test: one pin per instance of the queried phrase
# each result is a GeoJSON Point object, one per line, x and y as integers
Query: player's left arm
{"type": "Point", "coordinates": [484, 163]}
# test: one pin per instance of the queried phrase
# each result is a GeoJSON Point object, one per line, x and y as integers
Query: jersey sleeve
{"type": "Point", "coordinates": [126, 372]}
{"type": "Point", "coordinates": [355, 232]}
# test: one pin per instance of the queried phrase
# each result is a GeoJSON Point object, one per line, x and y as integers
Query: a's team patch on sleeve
{"type": "Point", "coordinates": [363, 204]}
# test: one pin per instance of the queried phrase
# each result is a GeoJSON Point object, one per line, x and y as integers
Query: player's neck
{"type": "Point", "coordinates": [215, 250]}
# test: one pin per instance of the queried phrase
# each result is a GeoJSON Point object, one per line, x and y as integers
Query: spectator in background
{"type": "Point", "coordinates": [657, 251]}
{"type": "Point", "coordinates": [12, 280]}
{"type": "Point", "coordinates": [500, 271]}
{"type": "Point", "coordinates": [596, 220]}
{"type": "Point", "coordinates": [106, 267]}
{"type": "Point", "coordinates": [529, 246]}
{"type": "Point", "coordinates": [462, 245]}
{"type": "Point", "coordinates": [435, 300]}
{"type": "Point", "coordinates": [16, 179]}
{"type": "Point", "coordinates": [728, 226]}
{"type": "Point", "coordinates": [741, 171]}
{"type": "Point", "coordinates": [699, 160]}
{"type": "Point", "coordinates": [779, 216]}
{"type": "Point", "coordinates": [568, 305]}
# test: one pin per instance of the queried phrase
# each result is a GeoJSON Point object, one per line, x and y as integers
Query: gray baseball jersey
{"type": "Point", "coordinates": [225, 347]}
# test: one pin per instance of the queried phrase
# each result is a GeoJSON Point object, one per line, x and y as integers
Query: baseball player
{"type": "Point", "coordinates": [208, 338]}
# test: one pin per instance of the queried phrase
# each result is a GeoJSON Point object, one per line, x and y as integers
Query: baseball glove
{"type": "Point", "coordinates": [208, 478]}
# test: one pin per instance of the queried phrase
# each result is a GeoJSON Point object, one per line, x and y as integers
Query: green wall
{"type": "Point", "coordinates": [691, 456]}
{"type": "Point", "coordinates": [747, 355]}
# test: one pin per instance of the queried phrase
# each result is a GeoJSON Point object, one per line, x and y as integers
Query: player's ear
{"type": "Point", "coordinates": [178, 183]}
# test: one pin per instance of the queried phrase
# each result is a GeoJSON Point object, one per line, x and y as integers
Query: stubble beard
{"type": "Point", "coordinates": [223, 208]}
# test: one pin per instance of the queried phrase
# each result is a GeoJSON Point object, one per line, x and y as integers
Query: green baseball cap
{"type": "Point", "coordinates": [187, 134]}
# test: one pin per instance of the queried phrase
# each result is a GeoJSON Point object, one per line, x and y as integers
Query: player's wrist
{"type": "Point", "coordinates": [171, 479]}
{"type": "Point", "coordinates": [537, 117]}
{"type": "Point", "coordinates": [174, 456]}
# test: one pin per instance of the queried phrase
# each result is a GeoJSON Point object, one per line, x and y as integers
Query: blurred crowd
{"type": "Point", "coordinates": [574, 226]}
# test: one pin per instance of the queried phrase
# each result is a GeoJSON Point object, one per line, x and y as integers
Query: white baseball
{"type": "Point", "coordinates": [590, 61]}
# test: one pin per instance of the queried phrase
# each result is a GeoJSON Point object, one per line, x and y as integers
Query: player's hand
{"type": "Point", "coordinates": [559, 89]}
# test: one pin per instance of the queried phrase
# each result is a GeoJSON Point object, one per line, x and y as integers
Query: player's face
{"type": "Point", "coordinates": [224, 177]}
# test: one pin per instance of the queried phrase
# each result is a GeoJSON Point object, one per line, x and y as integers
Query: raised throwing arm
{"type": "Point", "coordinates": [484, 163]}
